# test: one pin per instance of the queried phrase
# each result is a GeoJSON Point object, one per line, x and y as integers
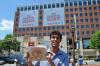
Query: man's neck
{"type": "Point", "coordinates": [54, 50]}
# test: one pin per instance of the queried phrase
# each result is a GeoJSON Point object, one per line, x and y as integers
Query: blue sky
{"type": "Point", "coordinates": [7, 13]}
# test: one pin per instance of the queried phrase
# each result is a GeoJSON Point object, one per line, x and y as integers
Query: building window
{"type": "Point", "coordinates": [75, 3]}
{"type": "Point", "coordinates": [89, 2]}
{"type": "Point", "coordinates": [44, 28]}
{"type": "Point", "coordinates": [67, 21]}
{"type": "Point", "coordinates": [40, 23]}
{"type": "Point", "coordinates": [85, 8]}
{"type": "Point", "coordinates": [92, 25]}
{"type": "Point", "coordinates": [53, 28]}
{"type": "Point", "coordinates": [45, 6]}
{"type": "Point", "coordinates": [76, 15]}
{"type": "Point", "coordinates": [95, 8]}
{"type": "Point", "coordinates": [71, 9]}
{"type": "Point", "coordinates": [41, 6]}
{"type": "Point", "coordinates": [53, 5]}
{"type": "Point", "coordinates": [33, 7]}
{"type": "Point", "coordinates": [95, 14]}
{"type": "Point", "coordinates": [29, 8]}
{"type": "Point", "coordinates": [82, 32]}
{"type": "Point", "coordinates": [84, 3]}
{"type": "Point", "coordinates": [87, 32]}
{"type": "Point", "coordinates": [81, 20]}
{"type": "Point", "coordinates": [76, 9]}
{"type": "Point", "coordinates": [71, 15]}
{"type": "Point", "coordinates": [85, 14]}
{"type": "Point", "coordinates": [78, 33]}
{"type": "Point", "coordinates": [23, 30]}
{"type": "Point", "coordinates": [90, 13]}
{"type": "Point", "coordinates": [66, 3]}
{"type": "Point", "coordinates": [37, 7]}
{"type": "Point", "coordinates": [21, 8]}
{"type": "Point", "coordinates": [82, 26]}
{"type": "Point", "coordinates": [58, 27]}
{"type": "Point", "coordinates": [98, 7]}
{"type": "Point", "coordinates": [63, 27]}
{"type": "Point", "coordinates": [80, 3]}
{"type": "Point", "coordinates": [57, 5]}
{"type": "Point", "coordinates": [86, 20]}
{"type": "Point", "coordinates": [91, 19]}
{"type": "Point", "coordinates": [49, 5]}
{"type": "Point", "coordinates": [98, 1]}
{"type": "Point", "coordinates": [17, 9]}
{"type": "Point", "coordinates": [31, 28]}
{"type": "Point", "coordinates": [35, 34]}
{"type": "Point", "coordinates": [77, 20]}
{"type": "Point", "coordinates": [94, 2]}
{"type": "Point", "coordinates": [71, 3]}
{"type": "Point", "coordinates": [25, 8]}
{"type": "Point", "coordinates": [97, 25]}
{"type": "Point", "coordinates": [72, 21]}
{"type": "Point", "coordinates": [49, 28]}
{"type": "Point", "coordinates": [62, 4]}
{"type": "Point", "coordinates": [86, 43]}
{"type": "Point", "coordinates": [81, 14]}
{"type": "Point", "coordinates": [90, 8]}
{"type": "Point", "coordinates": [67, 27]}
{"type": "Point", "coordinates": [36, 29]}
{"type": "Point", "coordinates": [80, 9]}
{"type": "Point", "coordinates": [77, 26]}
{"type": "Point", "coordinates": [40, 34]}
{"type": "Point", "coordinates": [66, 10]}
{"type": "Point", "coordinates": [96, 20]}
{"type": "Point", "coordinates": [87, 26]}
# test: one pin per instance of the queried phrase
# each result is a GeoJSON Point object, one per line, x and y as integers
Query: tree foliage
{"type": "Point", "coordinates": [95, 40]}
{"type": "Point", "coordinates": [10, 42]}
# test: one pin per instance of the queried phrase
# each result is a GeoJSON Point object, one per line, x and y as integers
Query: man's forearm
{"type": "Point", "coordinates": [52, 64]}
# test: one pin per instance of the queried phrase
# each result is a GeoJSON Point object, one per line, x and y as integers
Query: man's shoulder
{"type": "Point", "coordinates": [62, 53]}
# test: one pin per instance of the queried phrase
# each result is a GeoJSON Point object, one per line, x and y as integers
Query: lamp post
{"type": "Point", "coordinates": [73, 46]}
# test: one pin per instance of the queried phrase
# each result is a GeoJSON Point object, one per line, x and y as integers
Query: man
{"type": "Point", "coordinates": [55, 57]}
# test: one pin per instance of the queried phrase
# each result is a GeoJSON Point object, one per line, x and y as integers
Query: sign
{"type": "Point", "coordinates": [54, 16]}
{"type": "Point", "coordinates": [28, 19]}
{"type": "Point", "coordinates": [38, 53]}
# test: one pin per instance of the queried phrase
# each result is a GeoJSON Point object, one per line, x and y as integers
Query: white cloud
{"type": "Point", "coordinates": [6, 24]}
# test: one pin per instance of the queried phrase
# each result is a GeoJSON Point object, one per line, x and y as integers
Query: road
{"type": "Point", "coordinates": [9, 65]}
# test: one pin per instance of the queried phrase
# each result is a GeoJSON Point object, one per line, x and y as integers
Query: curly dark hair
{"type": "Point", "coordinates": [55, 32]}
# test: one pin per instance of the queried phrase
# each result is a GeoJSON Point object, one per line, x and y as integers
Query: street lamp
{"type": "Point", "coordinates": [73, 46]}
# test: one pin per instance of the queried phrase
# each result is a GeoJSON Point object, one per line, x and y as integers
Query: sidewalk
{"type": "Point", "coordinates": [92, 65]}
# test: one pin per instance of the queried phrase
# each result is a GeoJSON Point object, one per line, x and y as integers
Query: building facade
{"type": "Point", "coordinates": [37, 21]}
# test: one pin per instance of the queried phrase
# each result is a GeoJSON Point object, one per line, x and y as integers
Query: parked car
{"type": "Point", "coordinates": [21, 60]}
{"type": "Point", "coordinates": [11, 59]}
{"type": "Point", "coordinates": [97, 58]}
{"type": "Point", "coordinates": [2, 62]}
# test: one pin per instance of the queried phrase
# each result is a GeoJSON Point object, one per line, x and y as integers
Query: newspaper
{"type": "Point", "coordinates": [38, 53]}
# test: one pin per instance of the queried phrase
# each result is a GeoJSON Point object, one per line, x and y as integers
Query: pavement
{"type": "Point", "coordinates": [88, 63]}
{"type": "Point", "coordinates": [92, 65]}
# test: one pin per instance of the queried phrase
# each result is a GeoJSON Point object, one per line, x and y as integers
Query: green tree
{"type": "Point", "coordinates": [10, 42]}
{"type": "Point", "coordinates": [95, 41]}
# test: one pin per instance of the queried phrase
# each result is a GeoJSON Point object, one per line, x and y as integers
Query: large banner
{"type": "Point", "coordinates": [53, 16]}
{"type": "Point", "coordinates": [28, 19]}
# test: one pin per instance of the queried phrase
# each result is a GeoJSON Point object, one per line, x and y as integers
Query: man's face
{"type": "Point", "coordinates": [55, 41]}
